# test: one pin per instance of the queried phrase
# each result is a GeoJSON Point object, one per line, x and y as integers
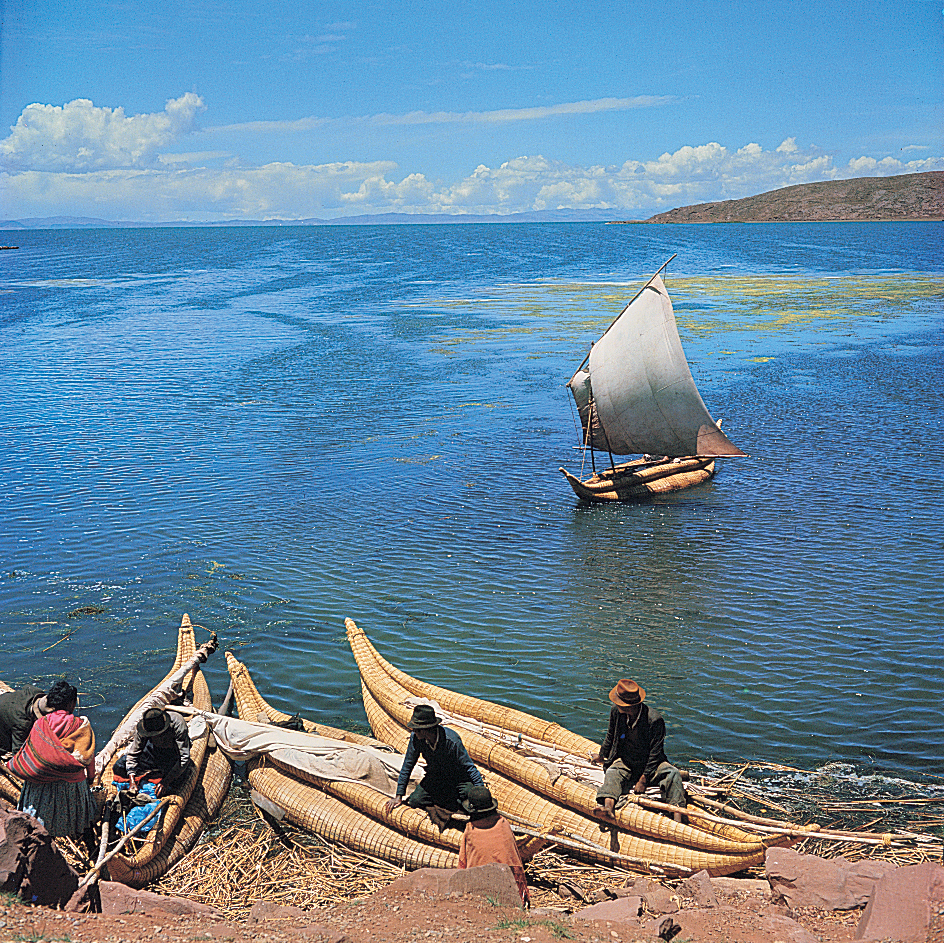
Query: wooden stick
{"type": "Point", "coordinates": [93, 874]}
{"type": "Point", "coordinates": [582, 844]}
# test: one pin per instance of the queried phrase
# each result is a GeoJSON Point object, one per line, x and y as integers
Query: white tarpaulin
{"type": "Point", "coordinates": [321, 757]}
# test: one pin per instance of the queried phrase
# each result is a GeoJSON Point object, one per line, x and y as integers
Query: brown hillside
{"type": "Point", "coordinates": [863, 199]}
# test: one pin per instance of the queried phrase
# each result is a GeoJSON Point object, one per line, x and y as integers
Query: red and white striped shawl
{"type": "Point", "coordinates": [60, 748]}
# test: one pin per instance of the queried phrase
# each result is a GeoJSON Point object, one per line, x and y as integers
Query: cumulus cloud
{"type": "Point", "coordinates": [79, 160]}
{"type": "Point", "coordinates": [79, 136]}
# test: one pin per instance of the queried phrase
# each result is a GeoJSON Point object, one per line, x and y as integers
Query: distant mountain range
{"type": "Point", "coordinates": [378, 219]}
{"type": "Point", "coordinates": [862, 199]}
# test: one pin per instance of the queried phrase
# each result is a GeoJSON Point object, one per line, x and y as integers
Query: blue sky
{"type": "Point", "coordinates": [206, 110]}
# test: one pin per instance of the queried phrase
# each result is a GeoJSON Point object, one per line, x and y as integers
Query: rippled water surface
{"type": "Point", "coordinates": [274, 428]}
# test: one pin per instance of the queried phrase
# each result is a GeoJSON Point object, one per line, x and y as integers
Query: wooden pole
{"type": "Point", "coordinates": [159, 697]}
{"type": "Point", "coordinates": [103, 859]}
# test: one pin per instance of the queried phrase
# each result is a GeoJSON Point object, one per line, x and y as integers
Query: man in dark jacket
{"type": "Point", "coordinates": [161, 750]}
{"type": "Point", "coordinates": [450, 772]}
{"type": "Point", "coordinates": [18, 710]}
{"type": "Point", "coordinates": [633, 753]}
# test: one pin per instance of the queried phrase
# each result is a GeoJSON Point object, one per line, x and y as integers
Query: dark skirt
{"type": "Point", "coordinates": [65, 809]}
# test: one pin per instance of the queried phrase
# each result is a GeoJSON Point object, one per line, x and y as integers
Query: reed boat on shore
{"type": "Point", "coordinates": [635, 394]}
{"type": "Point", "coordinates": [350, 813]}
{"type": "Point", "coordinates": [196, 799]}
{"type": "Point", "coordinates": [539, 772]}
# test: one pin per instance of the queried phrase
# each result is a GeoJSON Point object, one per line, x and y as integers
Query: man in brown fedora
{"type": "Point", "coordinates": [633, 753]}
{"type": "Point", "coordinates": [450, 772]}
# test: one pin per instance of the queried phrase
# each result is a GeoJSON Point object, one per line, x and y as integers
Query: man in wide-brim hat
{"type": "Point", "coordinates": [450, 772]}
{"type": "Point", "coordinates": [633, 753]}
{"type": "Point", "coordinates": [160, 751]}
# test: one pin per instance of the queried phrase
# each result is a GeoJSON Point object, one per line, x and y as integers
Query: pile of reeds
{"type": "Point", "coordinates": [855, 816]}
{"type": "Point", "coordinates": [245, 859]}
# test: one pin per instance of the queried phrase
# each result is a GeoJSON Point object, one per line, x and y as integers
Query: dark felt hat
{"type": "Point", "coordinates": [153, 723]}
{"type": "Point", "coordinates": [479, 801]}
{"type": "Point", "coordinates": [424, 717]}
{"type": "Point", "coordinates": [627, 693]}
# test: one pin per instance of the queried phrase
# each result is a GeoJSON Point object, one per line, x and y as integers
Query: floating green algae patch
{"type": "Point", "coordinates": [766, 303]}
{"type": "Point", "coordinates": [782, 308]}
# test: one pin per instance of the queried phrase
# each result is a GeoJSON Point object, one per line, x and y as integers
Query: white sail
{"type": "Point", "coordinates": [640, 390]}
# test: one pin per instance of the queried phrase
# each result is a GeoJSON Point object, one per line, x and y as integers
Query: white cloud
{"type": "Point", "coordinates": [79, 160]}
{"type": "Point", "coordinates": [79, 136]}
{"type": "Point", "coordinates": [501, 116]}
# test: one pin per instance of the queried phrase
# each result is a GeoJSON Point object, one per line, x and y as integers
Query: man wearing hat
{"type": "Point", "coordinates": [450, 772]}
{"type": "Point", "coordinates": [633, 753]}
{"type": "Point", "coordinates": [160, 751]}
{"type": "Point", "coordinates": [18, 710]}
{"type": "Point", "coordinates": [488, 839]}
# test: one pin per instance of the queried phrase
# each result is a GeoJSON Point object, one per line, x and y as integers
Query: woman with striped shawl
{"type": "Point", "coordinates": [56, 763]}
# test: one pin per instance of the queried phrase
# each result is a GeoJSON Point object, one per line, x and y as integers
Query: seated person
{"type": "Point", "coordinates": [160, 751]}
{"type": "Point", "coordinates": [633, 754]}
{"type": "Point", "coordinates": [487, 838]}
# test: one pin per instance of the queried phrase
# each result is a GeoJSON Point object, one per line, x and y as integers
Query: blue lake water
{"type": "Point", "coordinates": [274, 428]}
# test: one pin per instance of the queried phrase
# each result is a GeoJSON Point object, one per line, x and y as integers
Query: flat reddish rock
{"type": "Point", "coordinates": [826, 883]}
{"type": "Point", "coordinates": [121, 899]}
{"type": "Point", "coordinates": [907, 905]}
{"type": "Point", "coordinates": [493, 881]}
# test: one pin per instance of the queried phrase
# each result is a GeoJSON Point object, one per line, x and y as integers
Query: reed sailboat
{"type": "Point", "coordinates": [635, 395]}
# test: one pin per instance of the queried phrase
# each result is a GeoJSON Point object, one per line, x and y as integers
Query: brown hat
{"type": "Point", "coordinates": [627, 693]}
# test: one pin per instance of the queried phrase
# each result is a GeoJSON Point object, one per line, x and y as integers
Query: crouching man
{"type": "Point", "coordinates": [450, 772]}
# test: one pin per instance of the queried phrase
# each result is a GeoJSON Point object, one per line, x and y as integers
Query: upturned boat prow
{"type": "Point", "coordinates": [195, 800]}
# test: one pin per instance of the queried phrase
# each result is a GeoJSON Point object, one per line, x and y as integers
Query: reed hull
{"type": "Point", "coordinates": [193, 804]}
{"type": "Point", "coordinates": [315, 811]}
{"type": "Point", "coordinates": [517, 765]}
{"type": "Point", "coordinates": [647, 841]}
{"type": "Point", "coordinates": [638, 480]}
{"type": "Point", "coordinates": [647, 855]}
{"type": "Point", "coordinates": [356, 817]}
